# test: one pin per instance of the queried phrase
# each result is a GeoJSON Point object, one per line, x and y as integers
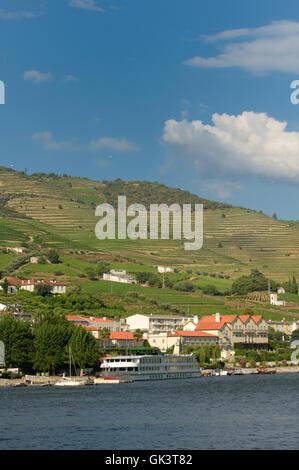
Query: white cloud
{"type": "Point", "coordinates": [250, 144]}
{"type": "Point", "coordinates": [108, 142]}
{"type": "Point", "coordinates": [37, 77]}
{"type": "Point", "coordinates": [221, 189]}
{"type": "Point", "coordinates": [15, 15]}
{"type": "Point", "coordinates": [85, 5]}
{"type": "Point", "coordinates": [70, 78]}
{"type": "Point", "coordinates": [46, 138]}
{"type": "Point", "coordinates": [268, 48]}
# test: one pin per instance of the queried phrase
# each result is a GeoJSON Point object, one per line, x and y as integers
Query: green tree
{"type": "Point", "coordinates": [85, 347]}
{"type": "Point", "coordinates": [18, 341]}
{"type": "Point", "coordinates": [90, 273]}
{"type": "Point", "coordinates": [43, 289]}
{"type": "Point", "coordinates": [138, 335]}
{"type": "Point", "coordinates": [53, 257]}
{"type": "Point", "coordinates": [5, 286]}
{"type": "Point", "coordinates": [51, 339]}
{"type": "Point", "coordinates": [105, 336]}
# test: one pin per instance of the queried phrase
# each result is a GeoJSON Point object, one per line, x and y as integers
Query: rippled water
{"type": "Point", "coordinates": [241, 412]}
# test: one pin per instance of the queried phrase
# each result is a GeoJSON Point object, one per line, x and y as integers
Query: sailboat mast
{"type": "Point", "coordinates": [70, 361]}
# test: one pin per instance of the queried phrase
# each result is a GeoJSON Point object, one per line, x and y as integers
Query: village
{"type": "Point", "coordinates": [224, 335]}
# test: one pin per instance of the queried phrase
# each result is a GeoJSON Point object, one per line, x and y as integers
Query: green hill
{"type": "Point", "coordinates": [59, 211]}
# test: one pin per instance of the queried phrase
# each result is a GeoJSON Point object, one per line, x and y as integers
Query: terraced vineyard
{"type": "Point", "coordinates": [60, 212]}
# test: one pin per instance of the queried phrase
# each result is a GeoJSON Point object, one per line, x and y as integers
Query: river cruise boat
{"type": "Point", "coordinates": [147, 367]}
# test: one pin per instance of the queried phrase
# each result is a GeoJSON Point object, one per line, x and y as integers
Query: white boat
{"type": "Point", "coordinates": [151, 367]}
{"type": "Point", "coordinates": [68, 381]}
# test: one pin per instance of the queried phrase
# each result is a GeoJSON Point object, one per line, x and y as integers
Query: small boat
{"type": "Point", "coordinates": [68, 381]}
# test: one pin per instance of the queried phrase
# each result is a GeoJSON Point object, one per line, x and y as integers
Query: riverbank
{"type": "Point", "coordinates": [37, 381]}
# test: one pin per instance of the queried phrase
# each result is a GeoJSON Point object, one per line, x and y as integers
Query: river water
{"type": "Point", "coordinates": [240, 412]}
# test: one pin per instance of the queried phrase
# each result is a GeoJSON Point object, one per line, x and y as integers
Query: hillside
{"type": "Point", "coordinates": [58, 211]}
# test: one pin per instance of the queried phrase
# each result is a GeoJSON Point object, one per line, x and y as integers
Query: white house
{"type": "Point", "coordinates": [16, 249]}
{"type": "Point", "coordinates": [57, 287]}
{"type": "Point", "coordinates": [156, 324]}
{"type": "Point", "coordinates": [191, 324]}
{"type": "Point", "coordinates": [119, 275]}
{"type": "Point", "coordinates": [165, 269]}
{"type": "Point", "coordinates": [280, 290]}
{"type": "Point", "coordinates": [283, 326]}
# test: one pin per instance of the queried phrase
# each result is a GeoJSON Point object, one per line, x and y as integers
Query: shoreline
{"type": "Point", "coordinates": [36, 381]}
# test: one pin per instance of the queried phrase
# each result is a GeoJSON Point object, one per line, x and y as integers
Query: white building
{"type": "Point", "coordinates": [286, 327]}
{"type": "Point", "coordinates": [119, 275]}
{"type": "Point", "coordinates": [191, 324]}
{"type": "Point", "coordinates": [165, 269]}
{"type": "Point", "coordinates": [57, 287]}
{"type": "Point", "coordinates": [155, 324]}
{"type": "Point", "coordinates": [281, 290]}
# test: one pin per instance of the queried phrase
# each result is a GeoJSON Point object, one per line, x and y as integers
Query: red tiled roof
{"type": "Point", "coordinates": [75, 318]}
{"type": "Point", "coordinates": [100, 320]}
{"type": "Point", "coordinates": [121, 335]}
{"type": "Point", "coordinates": [192, 333]}
{"type": "Point", "coordinates": [90, 328]}
{"type": "Point", "coordinates": [31, 282]}
{"type": "Point", "coordinates": [13, 281]}
{"type": "Point", "coordinates": [209, 322]}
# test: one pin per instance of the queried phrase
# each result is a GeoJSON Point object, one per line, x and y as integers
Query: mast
{"type": "Point", "coordinates": [70, 361]}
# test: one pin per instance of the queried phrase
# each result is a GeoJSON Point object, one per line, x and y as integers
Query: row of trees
{"type": "Point", "coordinates": [44, 347]}
{"type": "Point", "coordinates": [256, 281]}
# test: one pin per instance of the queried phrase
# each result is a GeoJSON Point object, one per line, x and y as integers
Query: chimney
{"type": "Point", "coordinates": [195, 319]}
{"type": "Point", "coordinates": [217, 315]}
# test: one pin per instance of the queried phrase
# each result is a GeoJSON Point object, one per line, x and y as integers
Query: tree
{"type": "Point", "coordinates": [210, 289]}
{"type": "Point", "coordinates": [53, 257]}
{"type": "Point", "coordinates": [43, 289]}
{"type": "Point", "coordinates": [185, 286]}
{"type": "Point", "coordinates": [105, 336]}
{"type": "Point", "coordinates": [5, 285]}
{"type": "Point", "coordinates": [18, 340]}
{"type": "Point", "coordinates": [85, 348]}
{"type": "Point", "coordinates": [138, 335]}
{"type": "Point", "coordinates": [51, 339]}
{"type": "Point", "coordinates": [90, 273]}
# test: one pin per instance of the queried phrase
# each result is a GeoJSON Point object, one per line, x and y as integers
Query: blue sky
{"type": "Point", "coordinates": [191, 94]}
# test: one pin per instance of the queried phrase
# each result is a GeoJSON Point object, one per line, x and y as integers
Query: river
{"type": "Point", "coordinates": [238, 412]}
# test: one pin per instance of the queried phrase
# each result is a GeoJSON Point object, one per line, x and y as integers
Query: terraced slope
{"type": "Point", "coordinates": [60, 211]}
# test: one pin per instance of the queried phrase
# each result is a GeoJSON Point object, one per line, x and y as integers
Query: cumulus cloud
{"type": "Point", "coordinates": [85, 5]}
{"type": "Point", "coordinates": [251, 144]}
{"type": "Point", "coordinates": [122, 145]}
{"type": "Point", "coordinates": [267, 48]}
{"type": "Point", "coordinates": [48, 143]}
{"type": "Point", "coordinates": [37, 77]}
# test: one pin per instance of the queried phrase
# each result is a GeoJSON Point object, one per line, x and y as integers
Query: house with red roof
{"type": "Point", "coordinates": [247, 330]}
{"type": "Point", "coordinates": [180, 339]}
{"type": "Point", "coordinates": [96, 322]}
